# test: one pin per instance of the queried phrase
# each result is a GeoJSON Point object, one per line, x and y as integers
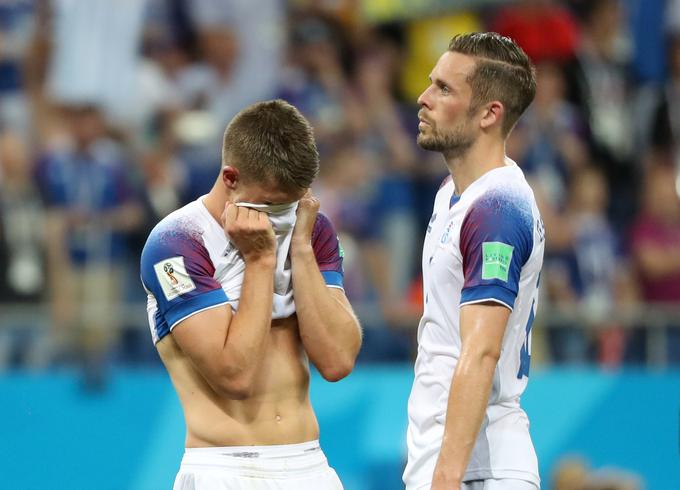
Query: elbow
{"type": "Point", "coordinates": [236, 392]}
{"type": "Point", "coordinates": [489, 353]}
{"type": "Point", "coordinates": [235, 386]}
{"type": "Point", "coordinates": [489, 358]}
{"type": "Point", "coordinates": [486, 356]}
{"type": "Point", "coordinates": [336, 371]}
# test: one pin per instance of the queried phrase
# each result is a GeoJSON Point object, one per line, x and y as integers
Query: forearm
{"type": "Point", "coordinates": [328, 328]}
{"type": "Point", "coordinates": [246, 336]}
{"type": "Point", "coordinates": [466, 409]}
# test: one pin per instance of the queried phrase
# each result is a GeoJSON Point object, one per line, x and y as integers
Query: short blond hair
{"type": "Point", "coordinates": [272, 141]}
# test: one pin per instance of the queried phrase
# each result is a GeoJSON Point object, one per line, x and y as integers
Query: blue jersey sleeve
{"type": "Point", "coordinates": [328, 252]}
{"type": "Point", "coordinates": [176, 269]}
{"type": "Point", "coordinates": [496, 240]}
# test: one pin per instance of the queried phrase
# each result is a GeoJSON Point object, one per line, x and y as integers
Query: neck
{"type": "Point", "coordinates": [215, 201]}
{"type": "Point", "coordinates": [484, 155]}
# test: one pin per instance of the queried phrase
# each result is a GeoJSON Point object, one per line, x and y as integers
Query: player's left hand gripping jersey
{"type": "Point", "coordinates": [484, 246]}
{"type": "Point", "coordinates": [188, 264]}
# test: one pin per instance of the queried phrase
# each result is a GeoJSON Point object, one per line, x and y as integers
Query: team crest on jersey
{"type": "Point", "coordinates": [496, 260]}
{"type": "Point", "coordinates": [173, 277]}
{"type": "Point", "coordinates": [447, 233]}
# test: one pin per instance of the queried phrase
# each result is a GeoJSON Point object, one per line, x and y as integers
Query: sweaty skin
{"type": "Point", "coordinates": [279, 410]}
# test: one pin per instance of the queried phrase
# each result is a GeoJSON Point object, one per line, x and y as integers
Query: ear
{"type": "Point", "coordinates": [230, 177]}
{"type": "Point", "coordinates": [492, 114]}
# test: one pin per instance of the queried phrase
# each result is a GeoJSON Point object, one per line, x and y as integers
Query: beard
{"type": "Point", "coordinates": [454, 143]}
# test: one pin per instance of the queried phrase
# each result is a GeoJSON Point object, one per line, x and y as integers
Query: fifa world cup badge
{"type": "Point", "coordinates": [167, 267]}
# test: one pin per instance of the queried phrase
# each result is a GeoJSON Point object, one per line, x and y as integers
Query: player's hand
{"type": "Point", "coordinates": [251, 232]}
{"type": "Point", "coordinates": [308, 208]}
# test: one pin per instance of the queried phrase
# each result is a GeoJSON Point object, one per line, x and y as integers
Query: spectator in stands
{"type": "Point", "coordinates": [572, 473]}
{"type": "Point", "coordinates": [16, 32]}
{"type": "Point", "coordinates": [595, 273]}
{"type": "Point", "coordinates": [316, 79]}
{"type": "Point", "coordinates": [239, 53]}
{"type": "Point", "coordinates": [382, 131]}
{"type": "Point", "coordinates": [91, 205]}
{"type": "Point", "coordinates": [548, 143]}
{"type": "Point", "coordinates": [600, 86]}
{"type": "Point", "coordinates": [177, 67]}
{"type": "Point", "coordinates": [22, 253]}
{"type": "Point", "coordinates": [94, 55]}
{"type": "Point", "coordinates": [238, 62]}
{"type": "Point", "coordinates": [348, 187]}
{"type": "Point", "coordinates": [543, 28]}
{"type": "Point", "coordinates": [665, 124]}
{"type": "Point", "coordinates": [655, 241]}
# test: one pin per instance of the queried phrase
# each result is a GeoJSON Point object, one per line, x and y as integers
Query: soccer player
{"type": "Point", "coordinates": [244, 286]}
{"type": "Point", "coordinates": [482, 258]}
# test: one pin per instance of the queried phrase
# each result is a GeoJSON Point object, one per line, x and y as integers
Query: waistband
{"type": "Point", "coordinates": [265, 461]}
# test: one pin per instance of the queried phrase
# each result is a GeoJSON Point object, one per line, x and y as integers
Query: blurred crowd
{"type": "Point", "coordinates": [112, 112]}
{"type": "Point", "coordinates": [574, 473]}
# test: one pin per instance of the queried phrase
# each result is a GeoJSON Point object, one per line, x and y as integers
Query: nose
{"type": "Point", "coordinates": [424, 99]}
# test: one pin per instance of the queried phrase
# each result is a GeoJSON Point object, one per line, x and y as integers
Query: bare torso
{"type": "Point", "coordinates": [278, 412]}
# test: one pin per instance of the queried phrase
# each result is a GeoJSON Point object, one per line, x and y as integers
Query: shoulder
{"type": "Point", "coordinates": [500, 204]}
{"type": "Point", "coordinates": [181, 232]}
{"type": "Point", "coordinates": [502, 212]}
{"type": "Point", "coordinates": [326, 245]}
{"type": "Point", "coordinates": [505, 196]}
{"type": "Point", "coordinates": [323, 227]}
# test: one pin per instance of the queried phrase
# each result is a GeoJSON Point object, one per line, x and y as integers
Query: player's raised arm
{"type": "Point", "coordinates": [329, 330]}
{"type": "Point", "coordinates": [226, 347]}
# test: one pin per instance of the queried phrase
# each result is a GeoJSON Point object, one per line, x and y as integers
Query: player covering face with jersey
{"type": "Point", "coordinates": [245, 287]}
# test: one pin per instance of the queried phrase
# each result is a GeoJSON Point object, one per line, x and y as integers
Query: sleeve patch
{"type": "Point", "coordinates": [496, 260]}
{"type": "Point", "coordinates": [173, 277]}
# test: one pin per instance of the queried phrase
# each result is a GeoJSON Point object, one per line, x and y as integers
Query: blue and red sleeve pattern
{"type": "Point", "coordinates": [496, 240]}
{"type": "Point", "coordinates": [176, 268]}
{"type": "Point", "coordinates": [328, 251]}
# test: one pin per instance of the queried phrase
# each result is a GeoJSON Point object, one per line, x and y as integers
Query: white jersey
{"type": "Point", "coordinates": [486, 245]}
{"type": "Point", "coordinates": [188, 264]}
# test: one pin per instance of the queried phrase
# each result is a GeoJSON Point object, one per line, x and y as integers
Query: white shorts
{"type": "Point", "coordinates": [493, 484]}
{"type": "Point", "coordinates": [288, 467]}
{"type": "Point", "coordinates": [500, 484]}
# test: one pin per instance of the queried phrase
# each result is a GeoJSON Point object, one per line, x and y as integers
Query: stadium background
{"type": "Point", "coordinates": [111, 113]}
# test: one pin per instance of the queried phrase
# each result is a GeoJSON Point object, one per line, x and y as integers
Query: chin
{"type": "Point", "coordinates": [423, 141]}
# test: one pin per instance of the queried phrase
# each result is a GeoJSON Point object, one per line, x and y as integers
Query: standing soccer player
{"type": "Point", "coordinates": [482, 259]}
{"type": "Point", "coordinates": [244, 286]}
